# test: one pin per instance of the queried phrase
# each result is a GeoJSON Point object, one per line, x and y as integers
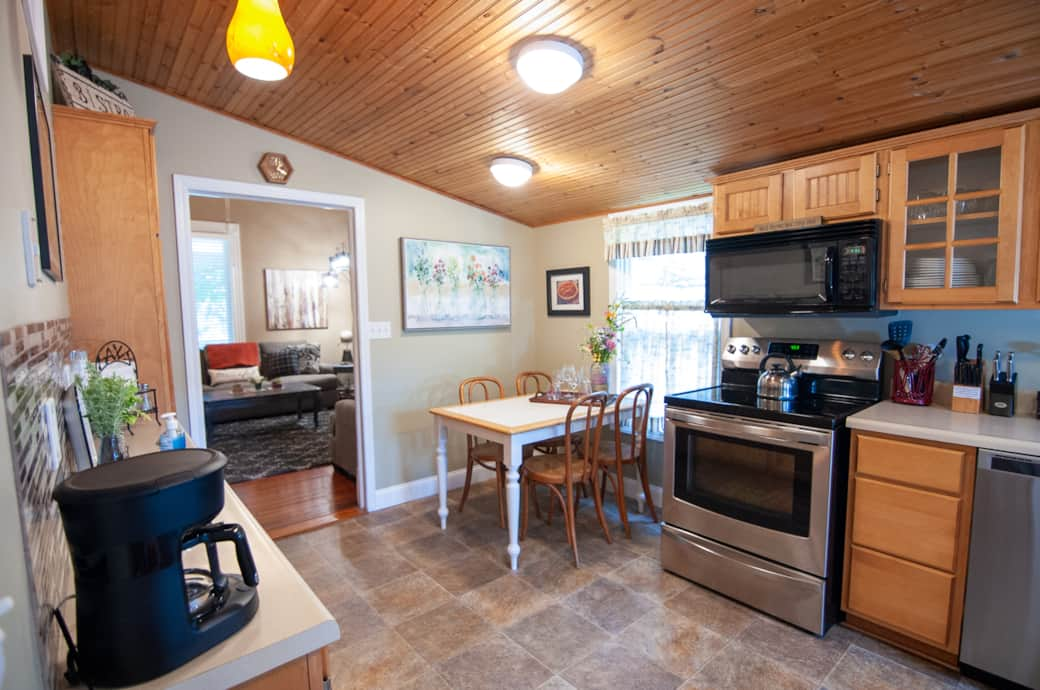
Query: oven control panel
{"type": "Point", "coordinates": [825, 357]}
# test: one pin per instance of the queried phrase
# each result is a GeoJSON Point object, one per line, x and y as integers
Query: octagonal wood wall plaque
{"type": "Point", "coordinates": [275, 167]}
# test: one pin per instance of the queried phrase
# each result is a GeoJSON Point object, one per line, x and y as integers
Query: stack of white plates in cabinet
{"type": "Point", "coordinates": [930, 272]}
{"type": "Point", "coordinates": [965, 273]}
{"type": "Point", "coordinates": [926, 272]}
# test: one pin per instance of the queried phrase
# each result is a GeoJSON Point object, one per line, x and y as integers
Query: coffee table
{"type": "Point", "coordinates": [225, 398]}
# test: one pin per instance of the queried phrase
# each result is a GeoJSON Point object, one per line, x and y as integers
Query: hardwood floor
{"type": "Point", "coordinates": [296, 502]}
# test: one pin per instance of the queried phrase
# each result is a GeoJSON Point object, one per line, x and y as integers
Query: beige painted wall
{"type": "Point", "coordinates": [19, 304]}
{"type": "Point", "coordinates": [275, 235]}
{"type": "Point", "coordinates": [410, 372]}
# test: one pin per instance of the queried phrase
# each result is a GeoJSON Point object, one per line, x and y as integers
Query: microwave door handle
{"type": "Point", "coordinates": [829, 276]}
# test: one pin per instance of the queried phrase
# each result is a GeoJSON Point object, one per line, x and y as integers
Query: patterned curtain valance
{"type": "Point", "coordinates": [672, 229]}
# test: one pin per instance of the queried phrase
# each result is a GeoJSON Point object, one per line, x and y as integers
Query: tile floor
{"type": "Point", "coordinates": [422, 608]}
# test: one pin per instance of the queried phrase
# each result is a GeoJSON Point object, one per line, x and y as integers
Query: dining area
{"type": "Point", "coordinates": [555, 446]}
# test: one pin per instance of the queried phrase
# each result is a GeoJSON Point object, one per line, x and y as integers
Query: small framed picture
{"type": "Point", "coordinates": [567, 291]}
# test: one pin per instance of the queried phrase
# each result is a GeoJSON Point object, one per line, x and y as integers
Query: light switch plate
{"type": "Point", "coordinates": [378, 330]}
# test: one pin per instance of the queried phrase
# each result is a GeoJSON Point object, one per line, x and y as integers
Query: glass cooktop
{"type": "Point", "coordinates": [814, 411]}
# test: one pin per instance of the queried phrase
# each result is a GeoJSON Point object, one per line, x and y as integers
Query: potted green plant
{"type": "Point", "coordinates": [112, 404]}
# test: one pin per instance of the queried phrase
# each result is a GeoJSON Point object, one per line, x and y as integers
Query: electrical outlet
{"type": "Point", "coordinates": [378, 330]}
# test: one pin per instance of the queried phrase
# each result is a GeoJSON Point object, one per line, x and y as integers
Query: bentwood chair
{"type": "Point", "coordinates": [577, 465]}
{"type": "Point", "coordinates": [487, 454]}
{"type": "Point", "coordinates": [628, 449]}
{"type": "Point", "coordinates": [539, 380]}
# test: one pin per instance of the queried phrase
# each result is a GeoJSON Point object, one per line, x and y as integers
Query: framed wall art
{"type": "Point", "coordinates": [448, 285]}
{"type": "Point", "coordinates": [41, 153]}
{"type": "Point", "coordinates": [295, 300]}
{"type": "Point", "coordinates": [567, 291]}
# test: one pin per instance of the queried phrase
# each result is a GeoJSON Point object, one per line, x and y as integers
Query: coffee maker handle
{"type": "Point", "coordinates": [209, 534]}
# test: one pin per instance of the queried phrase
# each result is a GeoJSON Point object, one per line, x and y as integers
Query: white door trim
{"type": "Point", "coordinates": [184, 186]}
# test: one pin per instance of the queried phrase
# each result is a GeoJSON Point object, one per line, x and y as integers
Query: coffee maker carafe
{"type": "Point", "coordinates": [139, 612]}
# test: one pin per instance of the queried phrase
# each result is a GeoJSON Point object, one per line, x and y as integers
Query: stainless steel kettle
{"type": "Point", "coordinates": [778, 383]}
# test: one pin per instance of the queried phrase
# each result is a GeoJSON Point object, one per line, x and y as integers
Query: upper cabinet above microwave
{"type": "Point", "coordinates": [836, 189]}
{"type": "Point", "coordinates": [955, 220]}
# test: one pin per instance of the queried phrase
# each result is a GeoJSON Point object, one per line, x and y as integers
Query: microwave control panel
{"type": "Point", "coordinates": [855, 268]}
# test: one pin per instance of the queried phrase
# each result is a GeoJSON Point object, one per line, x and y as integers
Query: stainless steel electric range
{"type": "Point", "coordinates": [755, 489]}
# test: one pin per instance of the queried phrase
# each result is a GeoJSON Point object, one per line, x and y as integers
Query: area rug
{"type": "Point", "coordinates": [257, 448]}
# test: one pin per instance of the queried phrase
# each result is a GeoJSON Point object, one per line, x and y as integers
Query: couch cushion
{"type": "Point", "coordinates": [229, 355]}
{"type": "Point", "coordinates": [326, 382]}
{"type": "Point", "coordinates": [285, 362]}
{"type": "Point", "coordinates": [310, 358]}
{"type": "Point", "coordinates": [233, 375]}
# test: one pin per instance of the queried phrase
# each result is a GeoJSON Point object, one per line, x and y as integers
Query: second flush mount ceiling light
{"type": "Point", "coordinates": [512, 172]}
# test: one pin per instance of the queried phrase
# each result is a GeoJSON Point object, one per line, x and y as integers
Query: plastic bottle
{"type": "Point", "coordinates": [172, 437]}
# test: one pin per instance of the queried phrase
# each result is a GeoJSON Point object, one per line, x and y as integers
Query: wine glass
{"type": "Point", "coordinates": [568, 378]}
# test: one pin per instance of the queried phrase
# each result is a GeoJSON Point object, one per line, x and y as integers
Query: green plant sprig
{"type": "Point", "coordinates": [111, 402]}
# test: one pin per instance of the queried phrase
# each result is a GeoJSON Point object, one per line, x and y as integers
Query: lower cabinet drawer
{"type": "Point", "coordinates": [904, 596]}
{"type": "Point", "coordinates": [940, 468]}
{"type": "Point", "coordinates": [917, 525]}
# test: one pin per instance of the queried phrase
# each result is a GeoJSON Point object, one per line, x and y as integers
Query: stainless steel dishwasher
{"type": "Point", "coordinates": [1001, 632]}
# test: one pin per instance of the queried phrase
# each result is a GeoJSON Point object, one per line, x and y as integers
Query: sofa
{"type": "Point", "coordinates": [326, 380]}
{"type": "Point", "coordinates": [344, 438]}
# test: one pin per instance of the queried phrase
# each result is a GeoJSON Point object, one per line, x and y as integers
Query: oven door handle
{"type": "Point", "coordinates": [791, 437]}
{"type": "Point", "coordinates": [764, 571]}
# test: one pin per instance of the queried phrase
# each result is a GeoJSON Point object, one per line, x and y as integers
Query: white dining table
{"type": "Point", "coordinates": [514, 423]}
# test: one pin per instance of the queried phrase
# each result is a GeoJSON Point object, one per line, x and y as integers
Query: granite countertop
{"type": "Point", "coordinates": [291, 621]}
{"type": "Point", "coordinates": [935, 423]}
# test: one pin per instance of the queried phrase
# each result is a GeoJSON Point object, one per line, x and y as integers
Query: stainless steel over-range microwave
{"type": "Point", "coordinates": [830, 269]}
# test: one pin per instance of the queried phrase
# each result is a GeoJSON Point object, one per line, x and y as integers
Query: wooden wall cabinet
{"type": "Point", "coordinates": [741, 205]}
{"type": "Point", "coordinates": [906, 545]}
{"type": "Point", "coordinates": [956, 220]}
{"type": "Point", "coordinates": [110, 232]}
{"type": "Point", "coordinates": [841, 188]}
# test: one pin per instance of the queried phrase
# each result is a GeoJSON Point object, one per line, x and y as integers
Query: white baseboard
{"type": "Point", "coordinates": [427, 486]}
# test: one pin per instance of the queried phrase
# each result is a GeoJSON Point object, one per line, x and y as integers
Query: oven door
{"type": "Point", "coordinates": [763, 487]}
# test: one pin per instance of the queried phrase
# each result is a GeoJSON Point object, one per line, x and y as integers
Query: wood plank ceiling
{"type": "Point", "coordinates": [676, 91]}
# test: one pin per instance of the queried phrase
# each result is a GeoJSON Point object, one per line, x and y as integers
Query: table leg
{"type": "Point", "coordinates": [513, 463]}
{"type": "Point", "coordinates": [440, 455]}
{"type": "Point", "coordinates": [316, 401]}
{"type": "Point", "coordinates": [299, 406]}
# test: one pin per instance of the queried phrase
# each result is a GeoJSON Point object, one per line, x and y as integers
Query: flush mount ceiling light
{"type": "Point", "coordinates": [549, 65]}
{"type": "Point", "coordinates": [258, 42]}
{"type": "Point", "coordinates": [512, 172]}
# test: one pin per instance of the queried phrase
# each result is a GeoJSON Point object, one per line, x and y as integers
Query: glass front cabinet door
{"type": "Point", "coordinates": [956, 220]}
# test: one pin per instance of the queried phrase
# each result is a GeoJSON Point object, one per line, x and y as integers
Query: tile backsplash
{"type": "Point", "coordinates": [27, 382]}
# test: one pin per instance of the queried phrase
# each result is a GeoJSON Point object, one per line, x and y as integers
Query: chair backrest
{"type": "Point", "coordinates": [472, 388]}
{"type": "Point", "coordinates": [115, 358]}
{"type": "Point", "coordinates": [639, 397]}
{"type": "Point", "coordinates": [542, 382]}
{"type": "Point", "coordinates": [589, 410]}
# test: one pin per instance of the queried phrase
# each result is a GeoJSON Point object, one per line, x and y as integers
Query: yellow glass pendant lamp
{"type": "Point", "coordinates": [258, 41]}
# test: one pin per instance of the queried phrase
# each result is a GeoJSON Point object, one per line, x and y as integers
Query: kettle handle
{"type": "Point", "coordinates": [791, 368]}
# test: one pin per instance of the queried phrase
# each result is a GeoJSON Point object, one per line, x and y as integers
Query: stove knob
{"type": "Point", "coordinates": [744, 349]}
{"type": "Point", "coordinates": [867, 356]}
{"type": "Point", "coordinates": [756, 350]}
{"type": "Point", "coordinates": [849, 354]}
{"type": "Point", "coordinates": [731, 349]}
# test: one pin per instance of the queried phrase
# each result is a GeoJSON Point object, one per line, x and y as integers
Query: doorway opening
{"type": "Point", "coordinates": [272, 307]}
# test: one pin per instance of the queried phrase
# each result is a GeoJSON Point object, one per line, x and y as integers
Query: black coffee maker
{"type": "Point", "coordinates": [139, 612]}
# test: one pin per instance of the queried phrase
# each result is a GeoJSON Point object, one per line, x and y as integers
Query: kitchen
{"type": "Point", "coordinates": [809, 540]}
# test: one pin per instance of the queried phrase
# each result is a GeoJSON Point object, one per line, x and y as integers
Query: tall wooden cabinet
{"type": "Point", "coordinates": [110, 232]}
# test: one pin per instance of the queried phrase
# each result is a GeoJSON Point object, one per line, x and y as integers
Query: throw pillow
{"type": "Point", "coordinates": [233, 375]}
{"type": "Point", "coordinates": [310, 357]}
{"type": "Point", "coordinates": [282, 363]}
{"type": "Point", "coordinates": [228, 355]}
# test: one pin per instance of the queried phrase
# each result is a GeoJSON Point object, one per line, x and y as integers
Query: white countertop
{"type": "Point", "coordinates": [934, 423]}
{"type": "Point", "coordinates": [290, 622]}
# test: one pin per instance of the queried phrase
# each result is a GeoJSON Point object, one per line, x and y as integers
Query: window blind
{"type": "Point", "coordinates": [214, 293]}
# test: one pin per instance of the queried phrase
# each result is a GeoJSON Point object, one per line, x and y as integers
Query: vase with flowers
{"type": "Point", "coordinates": [112, 404]}
{"type": "Point", "coordinates": [602, 342]}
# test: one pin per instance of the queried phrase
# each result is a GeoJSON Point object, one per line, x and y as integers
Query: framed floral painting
{"type": "Point", "coordinates": [454, 285]}
{"type": "Point", "coordinates": [567, 291]}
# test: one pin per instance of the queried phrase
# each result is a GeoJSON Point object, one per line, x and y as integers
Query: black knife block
{"type": "Point", "coordinates": [1002, 397]}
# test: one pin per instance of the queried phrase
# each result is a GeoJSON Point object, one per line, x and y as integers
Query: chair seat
{"type": "Point", "coordinates": [552, 469]}
{"type": "Point", "coordinates": [488, 451]}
